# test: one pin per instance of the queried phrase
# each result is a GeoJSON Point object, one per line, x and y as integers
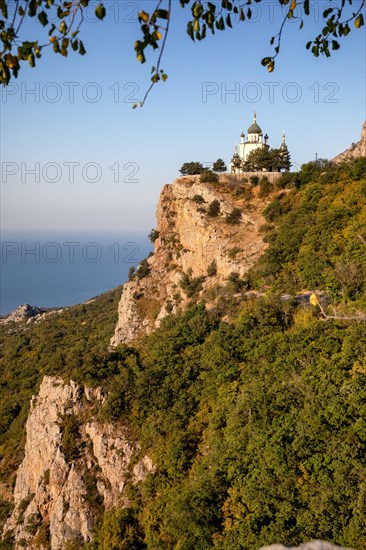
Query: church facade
{"type": "Point", "coordinates": [254, 140]}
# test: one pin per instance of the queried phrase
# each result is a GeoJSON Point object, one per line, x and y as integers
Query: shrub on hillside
{"type": "Point", "coordinates": [265, 188]}
{"type": "Point", "coordinates": [212, 269]}
{"type": "Point", "coordinates": [234, 217]}
{"type": "Point", "coordinates": [214, 209]}
{"type": "Point", "coordinates": [198, 199]}
{"type": "Point", "coordinates": [191, 286]}
{"type": "Point", "coordinates": [143, 269]}
{"type": "Point", "coordinates": [153, 235]}
{"type": "Point", "coordinates": [209, 177]}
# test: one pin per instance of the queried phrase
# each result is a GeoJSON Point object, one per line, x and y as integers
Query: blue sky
{"type": "Point", "coordinates": [80, 117]}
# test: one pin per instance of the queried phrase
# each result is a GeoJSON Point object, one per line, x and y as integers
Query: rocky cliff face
{"type": "Point", "coordinates": [73, 463]}
{"type": "Point", "coordinates": [356, 150]}
{"type": "Point", "coordinates": [189, 242]}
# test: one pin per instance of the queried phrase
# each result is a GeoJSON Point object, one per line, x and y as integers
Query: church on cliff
{"type": "Point", "coordinates": [242, 159]}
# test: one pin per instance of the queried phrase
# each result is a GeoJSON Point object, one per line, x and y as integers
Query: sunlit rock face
{"type": "Point", "coordinates": [356, 150]}
{"type": "Point", "coordinates": [53, 492]}
{"type": "Point", "coordinates": [189, 241]}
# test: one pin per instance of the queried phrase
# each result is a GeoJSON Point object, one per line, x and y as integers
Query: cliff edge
{"type": "Point", "coordinates": [356, 150]}
{"type": "Point", "coordinates": [196, 249]}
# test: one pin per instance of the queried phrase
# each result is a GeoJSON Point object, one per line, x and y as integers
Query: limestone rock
{"type": "Point", "coordinates": [54, 492]}
{"type": "Point", "coordinates": [23, 313]}
{"type": "Point", "coordinates": [356, 150]}
{"type": "Point", "coordinates": [189, 241]}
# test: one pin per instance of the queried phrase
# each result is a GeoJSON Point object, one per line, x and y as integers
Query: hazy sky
{"type": "Point", "coordinates": [99, 165]}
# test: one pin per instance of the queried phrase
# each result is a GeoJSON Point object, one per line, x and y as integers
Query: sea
{"type": "Point", "coordinates": [64, 269]}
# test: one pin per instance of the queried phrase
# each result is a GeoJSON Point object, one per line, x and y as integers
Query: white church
{"type": "Point", "coordinates": [254, 140]}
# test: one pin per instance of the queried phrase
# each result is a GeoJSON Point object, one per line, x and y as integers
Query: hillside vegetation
{"type": "Point", "coordinates": [256, 426]}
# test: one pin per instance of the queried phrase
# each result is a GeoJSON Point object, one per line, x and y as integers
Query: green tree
{"type": "Point", "coordinates": [212, 269]}
{"type": "Point", "coordinates": [70, 445]}
{"type": "Point", "coordinates": [259, 159]}
{"type": "Point", "coordinates": [191, 168]}
{"type": "Point", "coordinates": [121, 531]}
{"type": "Point", "coordinates": [234, 217]}
{"type": "Point", "coordinates": [153, 235]}
{"type": "Point", "coordinates": [208, 176]}
{"type": "Point", "coordinates": [219, 166]}
{"type": "Point", "coordinates": [284, 163]}
{"type": "Point", "coordinates": [236, 162]}
{"type": "Point", "coordinates": [143, 269]}
{"type": "Point", "coordinates": [214, 209]}
{"type": "Point", "coordinates": [265, 187]}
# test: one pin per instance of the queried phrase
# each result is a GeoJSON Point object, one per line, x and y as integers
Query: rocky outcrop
{"type": "Point", "coordinates": [356, 150]}
{"type": "Point", "coordinates": [313, 545]}
{"type": "Point", "coordinates": [22, 313]}
{"type": "Point", "coordinates": [73, 463]}
{"type": "Point", "coordinates": [30, 314]}
{"type": "Point", "coordinates": [188, 242]}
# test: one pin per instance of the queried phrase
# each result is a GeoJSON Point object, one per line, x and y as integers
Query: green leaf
{"type": "Point", "coordinates": [265, 61]}
{"type": "Point", "coordinates": [359, 21]}
{"type": "Point", "coordinates": [56, 46]}
{"type": "Point", "coordinates": [327, 12]}
{"type": "Point", "coordinates": [43, 19]}
{"type": "Point", "coordinates": [335, 45]}
{"type": "Point", "coordinates": [32, 8]}
{"type": "Point", "coordinates": [100, 11]}
{"type": "Point", "coordinates": [190, 30]}
{"type": "Point", "coordinates": [228, 21]}
{"type": "Point", "coordinates": [197, 10]}
{"type": "Point", "coordinates": [307, 7]}
{"type": "Point", "coordinates": [210, 19]}
{"type": "Point", "coordinates": [82, 50]}
{"type": "Point", "coordinates": [31, 60]}
{"type": "Point", "coordinates": [63, 27]}
{"type": "Point", "coordinates": [161, 14]}
{"type": "Point", "coordinates": [4, 9]}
